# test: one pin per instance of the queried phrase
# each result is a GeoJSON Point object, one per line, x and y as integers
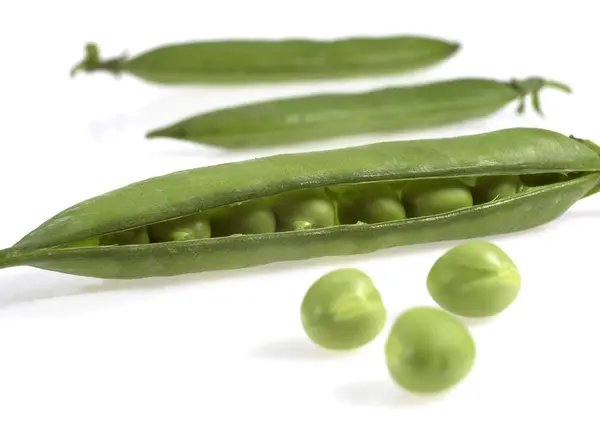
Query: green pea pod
{"type": "Point", "coordinates": [254, 61]}
{"type": "Point", "coordinates": [317, 117]}
{"type": "Point", "coordinates": [273, 179]}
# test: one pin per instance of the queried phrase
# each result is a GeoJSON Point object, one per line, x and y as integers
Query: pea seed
{"type": "Point", "coordinates": [244, 219]}
{"type": "Point", "coordinates": [182, 229]}
{"type": "Point", "coordinates": [491, 188]}
{"type": "Point", "coordinates": [130, 237]}
{"type": "Point", "coordinates": [544, 178]}
{"type": "Point", "coordinates": [431, 197]}
{"type": "Point", "coordinates": [428, 350]}
{"type": "Point", "coordinates": [474, 279]}
{"type": "Point", "coordinates": [84, 243]}
{"type": "Point", "coordinates": [304, 211]}
{"type": "Point", "coordinates": [377, 209]}
{"type": "Point", "coordinates": [343, 310]}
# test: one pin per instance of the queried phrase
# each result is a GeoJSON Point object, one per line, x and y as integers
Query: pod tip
{"type": "Point", "coordinates": [156, 133]}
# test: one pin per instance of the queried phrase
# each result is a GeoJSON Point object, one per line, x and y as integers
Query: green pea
{"type": "Point", "coordinates": [244, 219]}
{"type": "Point", "coordinates": [431, 197]}
{"type": "Point", "coordinates": [343, 310]}
{"type": "Point", "coordinates": [492, 188]}
{"type": "Point", "coordinates": [543, 178]}
{"type": "Point", "coordinates": [83, 243]}
{"type": "Point", "coordinates": [181, 229]}
{"type": "Point", "coordinates": [305, 211]}
{"type": "Point", "coordinates": [428, 350]}
{"type": "Point", "coordinates": [475, 279]}
{"type": "Point", "coordinates": [382, 208]}
{"type": "Point", "coordinates": [130, 237]}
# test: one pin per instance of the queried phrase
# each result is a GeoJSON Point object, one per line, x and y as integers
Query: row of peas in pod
{"type": "Point", "coordinates": [368, 203]}
{"type": "Point", "coordinates": [428, 349]}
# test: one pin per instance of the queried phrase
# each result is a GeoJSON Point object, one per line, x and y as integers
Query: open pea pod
{"type": "Point", "coordinates": [303, 191]}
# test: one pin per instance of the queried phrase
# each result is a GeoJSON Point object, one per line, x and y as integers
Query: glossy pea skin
{"type": "Point", "coordinates": [491, 188]}
{"type": "Point", "coordinates": [431, 197]}
{"type": "Point", "coordinates": [182, 229]}
{"type": "Point", "coordinates": [244, 219]}
{"type": "Point", "coordinates": [429, 351]}
{"type": "Point", "coordinates": [343, 310]}
{"type": "Point", "coordinates": [305, 210]}
{"type": "Point", "coordinates": [373, 207]}
{"type": "Point", "coordinates": [475, 279]}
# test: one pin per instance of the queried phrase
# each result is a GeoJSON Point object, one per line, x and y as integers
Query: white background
{"type": "Point", "coordinates": [226, 351]}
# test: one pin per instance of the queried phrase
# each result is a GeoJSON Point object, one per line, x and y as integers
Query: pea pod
{"type": "Point", "coordinates": [275, 179]}
{"type": "Point", "coordinates": [253, 61]}
{"type": "Point", "coordinates": [317, 117]}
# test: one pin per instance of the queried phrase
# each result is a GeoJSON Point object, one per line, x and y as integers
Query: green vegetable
{"type": "Point", "coordinates": [430, 197]}
{"type": "Point", "coordinates": [305, 210]}
{"type": "Point", "coordinates": [245, 219]}
{"type": "Point", "coordinates": [368, 204]}
{"type": "Point", "coordinates": [317, 117]}
{"type": "Point", "coordinates": [429, 351]}
{"type": "Point", "coordinates": [492, 188]}
{"type": "Point", "coordinates": [135, 236]}
{"type": "Point", "coordinates": [284, 183]}
{"type": "Point", "coordinates": [181, 229]}
{"type": "Point", "coordinates": [253, 61]}
{"type": "Point", "coordinates": [343, 310]}
{"type": "Point", "coordinates": [475, 279]}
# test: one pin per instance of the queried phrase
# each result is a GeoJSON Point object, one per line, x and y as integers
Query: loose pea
{"type": "Point", "coordinates": [492, 188]}
{"type": "Point", "coordinates": [428, 350]}
{"type": "Point", "coordinates": [187, 228]}
{"type": "Point", "coordinates": [305, 211]}
{"type": "Point", "coordinates": [431, 197]}
{"type": "Point", "coordinates": [474, 279]}
{"type": "Point", "coordinates": [343, 310]}
{"type": "Point", "coordinates": [130, 237]}
{"type": "Point", "coordinates": [244, 219]}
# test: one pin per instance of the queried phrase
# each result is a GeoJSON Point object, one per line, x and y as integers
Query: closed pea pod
{"type": "Point", "coordinates": [284, 181]}
{"type": "Point", "coordinates": [257, 61]}
{"type": "Point", "coordinates": [323, 116]}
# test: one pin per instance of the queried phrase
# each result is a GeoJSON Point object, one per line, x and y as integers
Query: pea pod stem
{"type": "Point", "coordinates": [93, 63]}
{"type": "Point", "coordinates": [532, 87]}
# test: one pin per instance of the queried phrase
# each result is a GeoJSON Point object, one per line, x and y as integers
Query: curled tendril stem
{"type": "Point", "coordinates": [93, 63]}
{"type": "Point", "coordinates": [532, 87]}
